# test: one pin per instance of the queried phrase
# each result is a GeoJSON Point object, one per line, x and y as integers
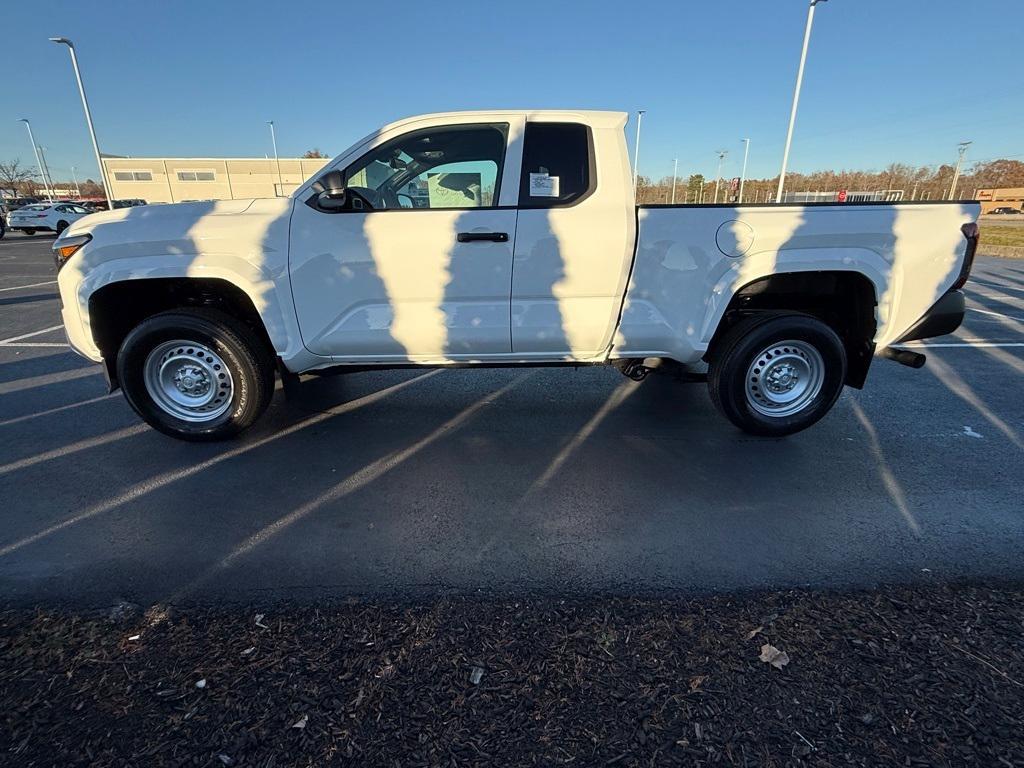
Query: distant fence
{"type": "Point", "coordinates": [848, 196]}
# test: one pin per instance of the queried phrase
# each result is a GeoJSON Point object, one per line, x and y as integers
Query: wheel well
{"type": "Point", "coordinates": [117, 308]}
{"type": "Point", "coordinates": [845, 301]}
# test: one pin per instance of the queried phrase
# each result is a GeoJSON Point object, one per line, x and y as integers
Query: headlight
{"type": "Point", "coordinates": [66, 247]}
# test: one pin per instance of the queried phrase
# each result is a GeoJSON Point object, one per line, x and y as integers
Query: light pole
{"type": "Point", "coordinates": [273, 140]}
{"type": "Point", "coordinates": [743, 173]}
{"type": "Point", "coordinates": [962, 149]}
{"type": "Point", "coordinates": [74, 177]}
{"type": "Point", "coordinates": [636, 149]}
{"type": "Point", "coordinates": [718, 174]}
{"type": "Point", "coordinates": [675, 172]}
{"type": "Point", "coordinates": [46, 168]}
{"type": "Point", "coordinates": [796, 97]}
{"type": "Point", "coordinates": [88, 117]}
{"type": "Point", "coordinates": [39, 163]}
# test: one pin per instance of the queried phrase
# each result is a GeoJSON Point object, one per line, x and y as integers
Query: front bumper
{"type": "Point", "coordinates": [945, 316]}
{"type": "Point", "coordinates": [76, 328]}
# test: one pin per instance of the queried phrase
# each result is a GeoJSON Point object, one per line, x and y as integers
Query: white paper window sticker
{"type": "Point", "coordinates": [543, 185]}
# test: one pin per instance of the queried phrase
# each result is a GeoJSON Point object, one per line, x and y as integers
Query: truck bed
{"type": "Point", "coordinates": [692, 259]}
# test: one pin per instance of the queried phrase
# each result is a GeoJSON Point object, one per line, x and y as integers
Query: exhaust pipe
{"type": "Point", "coordinates": [904, 357]}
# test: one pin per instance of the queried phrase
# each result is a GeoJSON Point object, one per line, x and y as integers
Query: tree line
{"type": "Point", "coordinates": [918, 183]}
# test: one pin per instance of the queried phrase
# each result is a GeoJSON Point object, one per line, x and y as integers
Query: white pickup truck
{"type": "Point", "coordinates": [502, 239]}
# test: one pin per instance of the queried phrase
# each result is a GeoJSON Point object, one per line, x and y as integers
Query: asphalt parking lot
{"type": "Point", "coordinates": [506, 481]}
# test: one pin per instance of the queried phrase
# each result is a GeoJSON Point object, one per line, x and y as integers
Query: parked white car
{"type": "Point", "coordinates": [45, 217]}
{"type": "Point", "coordinates": [504, 239]}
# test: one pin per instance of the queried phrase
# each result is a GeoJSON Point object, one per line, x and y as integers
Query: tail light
{"type": "Point", "coordinates": [970, 231]}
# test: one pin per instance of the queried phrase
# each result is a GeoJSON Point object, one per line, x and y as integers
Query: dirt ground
{"type": "Point", "coordinates": [908, 676]}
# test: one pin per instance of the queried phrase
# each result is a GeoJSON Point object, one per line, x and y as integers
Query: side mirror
{"type": "Point", "coordinates": [332, 200]}
{"type": "Point", "coordinates": [332, 195]}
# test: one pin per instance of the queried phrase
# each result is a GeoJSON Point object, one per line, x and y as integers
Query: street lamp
{"type": "Point", "coordinates": [743, 173]}
{"type": "Point", "coordinates": [35, 149]}
{"type": "Point", "coordinates": [88, 117]}
{"type": "Point", "coordinates": [636, 149]}
{"type": "Point", "coordinates": [74, 177]}
{"type": "Point", "coordinates": [962, 149]}
{"type": "Point", "coordinates": [675, 172]}
{"type": "Point", "coordinates": [273, 139]}
{"type": "Point", "coordinates": [46, 169]}
{"type": "Point", "coordinates": [796, 97]}
{"type": "Point", "coordinates": [718, 174]}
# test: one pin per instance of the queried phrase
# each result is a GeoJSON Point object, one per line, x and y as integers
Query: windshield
{"type": "Point", "coordinates": [34, 208]}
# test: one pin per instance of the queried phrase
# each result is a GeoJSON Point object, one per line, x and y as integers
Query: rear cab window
{"type": "Point", "coordinates": [558, 165]}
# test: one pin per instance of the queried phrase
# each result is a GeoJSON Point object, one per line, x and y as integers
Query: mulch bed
{"type": "Point", "coordinates": [907, 676]}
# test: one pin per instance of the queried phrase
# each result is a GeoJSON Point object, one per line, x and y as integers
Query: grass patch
{"type": "Point", "coordinates": [1002, 235]}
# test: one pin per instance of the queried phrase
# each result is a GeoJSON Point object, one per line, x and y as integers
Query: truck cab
{"type": "Point", "coordinates": [517, 251]}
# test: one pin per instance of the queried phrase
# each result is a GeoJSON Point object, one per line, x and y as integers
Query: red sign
{"type": "Point", "coordinates": [841, 196]}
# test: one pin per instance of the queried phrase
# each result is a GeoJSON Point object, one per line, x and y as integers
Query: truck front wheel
{"type": "Point", "coordinates": [196, 374]}
{"type": "Point", "coordinates": [774, 374]}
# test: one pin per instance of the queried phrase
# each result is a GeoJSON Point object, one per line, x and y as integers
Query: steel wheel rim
{"type": "Point", "coordinates": [189, 381]}
{"type": "Point", "coordinates": [784, 378]}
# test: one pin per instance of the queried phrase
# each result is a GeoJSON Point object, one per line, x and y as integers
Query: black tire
{"type": "Point", "coordinates": [752, 340]}
{"type": "Point", "coordinates": [29, 232]}
{"type": "Point", "coordinates": [244, 355]}
{"type": "Point", "coordinates": [61, 226]}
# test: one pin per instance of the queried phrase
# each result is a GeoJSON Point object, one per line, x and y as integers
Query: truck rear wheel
{"type": "Point", "coordinates": [774, 374]}
{"type": "Point", "coordinates": [196, 374]}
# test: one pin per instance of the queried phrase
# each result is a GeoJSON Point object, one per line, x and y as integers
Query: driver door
{"type": "Point", "coordinates": [417, 265]}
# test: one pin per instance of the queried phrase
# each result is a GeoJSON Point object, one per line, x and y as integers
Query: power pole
{"type": "Point", "coordinates": [961, 148]}
{"type": "Point", "coordinates": [718, 174]}
{"type": "Point", "coordinates": [273, 140]}
{"type": "Point", "coordinates": [636, 149]}
{"type": "Point", "coordinates": [39, 163]}
{"type": "Point", "coordinates": [675, 172]}
{"type": "Point", "coordinates": [46, 170]}
{"type": "Point", "coordinates": [743, 173]}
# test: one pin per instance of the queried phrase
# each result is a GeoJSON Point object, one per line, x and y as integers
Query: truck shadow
{"type": "Point", "coordinates": [430, 481]}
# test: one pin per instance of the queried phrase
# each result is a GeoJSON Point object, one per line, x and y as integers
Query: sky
{"type": "Point", "coordinates": [886, 80]}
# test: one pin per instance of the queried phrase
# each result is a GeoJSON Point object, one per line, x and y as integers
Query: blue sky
{"type": "Point", "coordinates": [887, 80]}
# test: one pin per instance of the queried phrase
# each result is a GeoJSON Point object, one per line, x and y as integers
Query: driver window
{"type": "Point", "coordinates": [454, 166]}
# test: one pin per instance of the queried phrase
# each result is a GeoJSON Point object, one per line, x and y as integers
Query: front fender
{"type": "Point", "coordinates": [244, 243]}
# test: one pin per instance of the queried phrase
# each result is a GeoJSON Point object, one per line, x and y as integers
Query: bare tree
{"type": "Point", "coordinates": [91, 189]}
{"type": "Point", "coordinates": [13, 176]}
{"type": "Point", "coordinates": [314, 153]}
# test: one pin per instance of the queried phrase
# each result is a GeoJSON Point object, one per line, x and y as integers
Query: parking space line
{"type": "Point", "coordinates": [30, 335]}
{"type": "Point", "coordinates": [996, 314]}
{"type": "Point", "coordinates": [30, 285]}
{"type": "Point", "coordinates": [963, 344]}
{"type": "Point", "coordinates": [58, 409]}
{"type": "Point", "coordinates": [45, 379]}
{"type": "Point", "coordinates": [67, 450]}
{"type": "Point", "coordinates": [35, 344]}
{"type": "Point", "coordinates": [997, 287]}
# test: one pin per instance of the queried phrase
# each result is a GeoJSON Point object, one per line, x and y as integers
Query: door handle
{"type": "Point", "coordinates": [475, 237]}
